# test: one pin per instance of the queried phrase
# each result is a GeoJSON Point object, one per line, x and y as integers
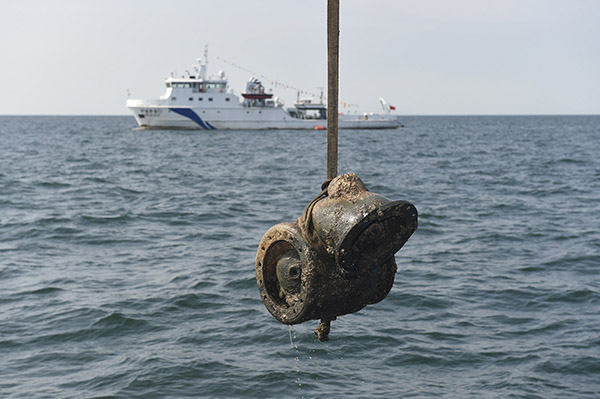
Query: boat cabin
{"type": "Point", "coordinates": [306, 109]}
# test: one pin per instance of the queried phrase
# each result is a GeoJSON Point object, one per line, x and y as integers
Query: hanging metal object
{"type": "Point", "coordinates": [336, 258]}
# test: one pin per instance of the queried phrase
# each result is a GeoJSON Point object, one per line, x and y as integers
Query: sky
{"type": "Point", "coordinates": [426, 57]}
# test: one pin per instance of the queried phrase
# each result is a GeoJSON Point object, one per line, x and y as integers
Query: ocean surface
{"type": "Point", "coordinates": [127, 261]}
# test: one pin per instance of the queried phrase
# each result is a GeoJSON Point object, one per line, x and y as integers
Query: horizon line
{"type": "Point", "coordinates": [398, 115]}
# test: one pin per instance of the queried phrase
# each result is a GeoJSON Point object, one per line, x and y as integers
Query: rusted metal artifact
{"type": "Point", "coordinates": [336, 258]}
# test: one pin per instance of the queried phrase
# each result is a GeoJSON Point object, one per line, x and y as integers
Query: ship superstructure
{"type": "Point", "coordinates": [196, 101]}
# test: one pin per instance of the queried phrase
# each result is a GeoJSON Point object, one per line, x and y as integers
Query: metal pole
{"type": "Point", "coordinates": [333, 45]}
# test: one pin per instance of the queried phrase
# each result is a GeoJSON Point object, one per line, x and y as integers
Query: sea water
{"type": "Point", "coordinates": [127, 261]}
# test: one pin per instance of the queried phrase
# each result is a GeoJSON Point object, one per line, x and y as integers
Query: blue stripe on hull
{"type": "Point", "coordinates": [189, 113]}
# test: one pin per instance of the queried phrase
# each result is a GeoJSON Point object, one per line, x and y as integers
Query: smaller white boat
{"type": "Point", "coordinates": [201, 102]}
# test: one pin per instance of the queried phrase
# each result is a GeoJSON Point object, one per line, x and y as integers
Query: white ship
{"type": "Point", "coordinates": [198, 102]}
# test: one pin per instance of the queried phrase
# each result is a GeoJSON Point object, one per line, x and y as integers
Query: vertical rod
{"type": "Point", "coordinates": [323, 330]}
{"type": "Point", "coordinates": [333, 46]}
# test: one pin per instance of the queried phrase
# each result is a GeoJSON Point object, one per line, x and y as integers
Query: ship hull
{"type": "Point", "coordinates": [243, 118]}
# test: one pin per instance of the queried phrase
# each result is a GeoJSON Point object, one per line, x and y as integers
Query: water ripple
{"type": "Point", "coordinates": [127, 261]}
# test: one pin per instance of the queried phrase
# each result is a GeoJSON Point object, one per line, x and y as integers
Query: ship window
{"type": "Point", "coordinates": [210, 99]}
{"type": "Point", "coordinates": [227, 99]}
{"type": "Point", "coordinates": [168, 84]}
{"type": "Point", "coordinates": [141, 116]}
{"type": "Point", "coordinates": [200, 98]}
{"type": "Point", "coordinates": [191, 99]}
{"type": "Point", "coordinates": [173, 98]}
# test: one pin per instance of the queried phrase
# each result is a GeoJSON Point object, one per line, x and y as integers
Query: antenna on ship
{"type": "Point", "coordinates": [202, 63]}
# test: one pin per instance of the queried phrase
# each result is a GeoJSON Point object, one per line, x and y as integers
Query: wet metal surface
{"type": "Point", "coordinates": [337, 257]}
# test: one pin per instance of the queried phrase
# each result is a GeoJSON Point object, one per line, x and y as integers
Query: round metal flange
{"type": "Point", "coordinates": [284, 269]}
